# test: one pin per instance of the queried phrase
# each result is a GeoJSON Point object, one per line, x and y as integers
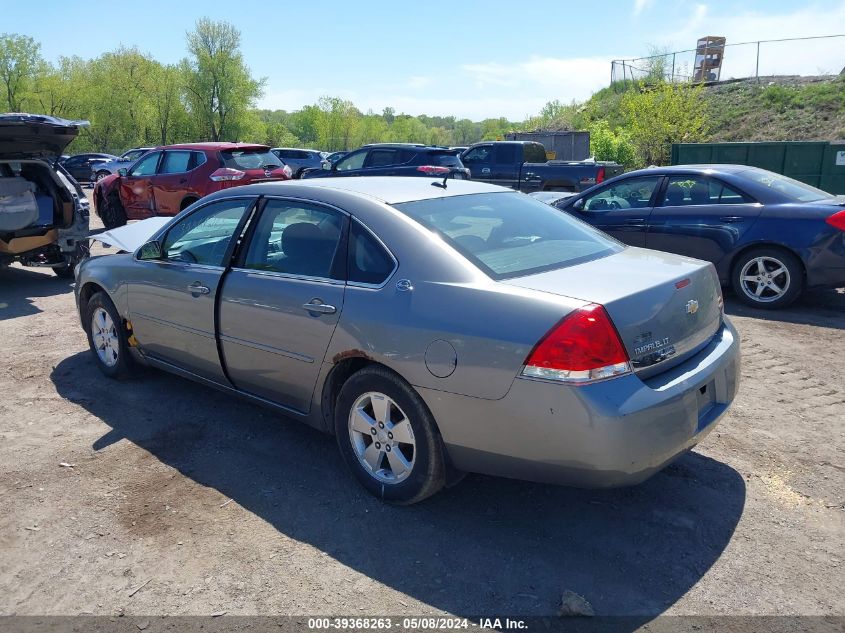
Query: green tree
{"type": "Point", "coordinates": [663, 114]}
{"type": "Point", "coordinates": [219, 88]}
{"type": "Point", "coordinates": [607, 144]}
{"type": "Point", "coordinates": [20, 64]}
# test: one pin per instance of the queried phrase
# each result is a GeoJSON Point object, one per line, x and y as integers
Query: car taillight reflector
{"type": "Point", "coordinates": [583, 347]}
{"type": "Point", "coordinates": [227, 173]}
{"type": "Point", "coordinates": [434, 170]}
{"type": "Point", "coordinates": [288, 171]}
{"type": "Point", "coordinates": [600, 175]}
{"type": "Point", "coordinates": [837, 220]}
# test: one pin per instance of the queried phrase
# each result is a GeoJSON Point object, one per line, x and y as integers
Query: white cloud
{"type": "Point", "coordinates": [642, 5]}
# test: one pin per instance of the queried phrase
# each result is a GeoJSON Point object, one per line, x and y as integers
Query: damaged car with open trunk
{"type": "Point", "coordinates": [43, 212]}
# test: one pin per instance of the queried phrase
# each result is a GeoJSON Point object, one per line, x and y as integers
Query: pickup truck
{"type": "Point", "coordinates": [522, 165]}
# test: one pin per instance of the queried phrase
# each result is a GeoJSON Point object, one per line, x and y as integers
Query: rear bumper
{"type": "Point", "coordinates": [613, 433]}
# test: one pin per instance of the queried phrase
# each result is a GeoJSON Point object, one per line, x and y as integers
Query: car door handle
{"type": "Point", "coordinates": [732, 218]}
{"type": "Point", "coordinates": [197, 288]}
{"type": "Point", "coordinates": [317, 305]}
{"type": "Point", "coordinates": [635, 221]}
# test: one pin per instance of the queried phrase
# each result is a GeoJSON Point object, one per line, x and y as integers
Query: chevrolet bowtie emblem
{"type": "Point", "coordinates": [692, 306]}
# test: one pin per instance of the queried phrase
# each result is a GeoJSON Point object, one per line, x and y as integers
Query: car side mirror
{"type": "Point", "coordinates": [150, 250]}
{"type": "Point", "coordinates": [122, 171]}
{"type": "Point", "coordinates": [578, 205]}
{"type": "Point", "coordinates": [328, 165]}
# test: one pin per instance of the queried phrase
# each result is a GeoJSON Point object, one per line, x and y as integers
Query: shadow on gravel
{"type": "Point", "coordinates": [18, 287]}
{"type": "Point", "coordinates": [486, 546]}
{"type": "Point", "coordinates": [822, 308]}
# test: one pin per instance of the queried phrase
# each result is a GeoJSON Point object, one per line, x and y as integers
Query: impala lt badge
{"type": "Point", "coordinates": [692, 306]}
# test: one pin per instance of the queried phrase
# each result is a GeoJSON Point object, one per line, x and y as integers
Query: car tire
{"type": "Point", "coordinates": [767, 278]}
{"type": "Point", "coordinates": [63, 272]}
{"type": "Point", "coordinates": [404, 468]}
{"type": "Point", "coordinates": [113, 213]}
{"type": "Point", "coordinates": [107, 337]}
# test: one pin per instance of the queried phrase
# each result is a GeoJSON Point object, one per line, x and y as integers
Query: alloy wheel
{"type": "Point", "coordinates": [104, 335]}
{"type": "Point", "coordinates": [764, 279]}
{"type": "Point", "coordinates": [382, 437]}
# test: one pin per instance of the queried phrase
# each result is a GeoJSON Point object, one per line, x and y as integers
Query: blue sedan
{"type": "Point", "coordinates": [769, 236]}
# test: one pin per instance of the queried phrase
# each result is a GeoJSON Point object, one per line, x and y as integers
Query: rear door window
{"type": "Point", "coordinates": [690, 190]}
{"type": "Point", "coordinates": [175, 162]}
{"type": "Point", "coordinates": [506, 154]}
{"type": "Point", "coordinates": [369, 262]}
{"type": "Point", "coordinates": [296, 238]}
{"type": "Point", "coordinates": [381, 158]}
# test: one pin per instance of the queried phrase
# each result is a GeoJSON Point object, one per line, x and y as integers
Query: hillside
{"type": "Point", "coordinates": [778, 109]}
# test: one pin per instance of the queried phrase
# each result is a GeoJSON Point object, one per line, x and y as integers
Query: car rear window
{"type": "Point", "coordinates": [250, 159]}
{"type": "Point", "coordinates": [443, 159]}
{"type": "Point", "coordinates": [795, 190]}
{"type": "Point", "coordinates": [510, 234]}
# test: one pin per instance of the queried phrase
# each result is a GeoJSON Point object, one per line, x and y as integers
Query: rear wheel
{"type": "Point", "coordinates": [767, 278]}
{"type": "Point", "coordinates": [113, 214]}
{"type": "Point", "coordinates": [388, 437]}
{"type": "Point", "coordinates": [107, 337]}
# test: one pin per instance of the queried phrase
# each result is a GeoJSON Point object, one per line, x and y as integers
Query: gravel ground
{"type": "Point", "coordinates": [159, 496]}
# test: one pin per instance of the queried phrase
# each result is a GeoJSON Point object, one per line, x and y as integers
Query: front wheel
{"type": "Point", "coordinates": [767, 278]}
{"type": "Point", "coordinates": [101, 174]}
{"type": "Point", "coordinates": [113, 214]}
{"type": "Point", "coordinates": [388, 437]}
{"type": "Point", "coordinates": [107, 337]}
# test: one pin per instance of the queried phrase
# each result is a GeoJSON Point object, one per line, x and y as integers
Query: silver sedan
{"type": "Point", "coordinates": [434, 327]}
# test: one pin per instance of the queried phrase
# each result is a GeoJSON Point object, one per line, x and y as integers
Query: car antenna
{"type": "Point", "coordinates": [442, 185]}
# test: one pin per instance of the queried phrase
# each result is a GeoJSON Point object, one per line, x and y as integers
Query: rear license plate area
{"type": "Point", "coordinates": [706, 396]}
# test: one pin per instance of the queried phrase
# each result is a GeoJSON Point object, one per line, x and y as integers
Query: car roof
{"type": "Point", "coordinates": [220, 146]}
{"type": "Point", "coordinates": [417, 146]}
{"type": "Point", "coordinates": [708, 167]}
{"type": "Point", "coordinates": [300, 149]}
{"type": "Point", "coordinates": [388, 189]}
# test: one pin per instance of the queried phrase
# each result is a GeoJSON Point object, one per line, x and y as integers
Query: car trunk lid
{"type": "Point", "coordinates": [35, 136]}
{"type": "Point", "coordinates": [665, 307]}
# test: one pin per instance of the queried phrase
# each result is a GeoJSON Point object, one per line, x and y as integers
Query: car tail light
{"type": "Point", "coordinates": [434, 170]}
{"type": "Point", "coordinates": [600, 175]}
{"type": "Point", "coordinates": [227, 173]}
{"type": "Point", "coordinates": [288, 171]}
{"type": "Point", "coordinates": [583, 347]}
{"type": "Point", "coordinates": [837, 220]}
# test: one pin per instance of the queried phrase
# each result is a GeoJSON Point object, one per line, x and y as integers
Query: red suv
{"type": "Point", "coordinates": [167, 179]}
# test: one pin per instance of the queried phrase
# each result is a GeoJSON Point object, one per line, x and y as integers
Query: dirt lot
{"type": "Point", "coordinates": [158, 496]}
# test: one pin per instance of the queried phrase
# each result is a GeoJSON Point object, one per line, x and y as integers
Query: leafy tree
{"type": "Point", "coordinates": [219, 87]}
{"type": "Point", "coordinates": [607, 144]}
{"type": "Point", "coordinates": [661, 115]}
{"type": "Point", "coordinates": [20, 64]}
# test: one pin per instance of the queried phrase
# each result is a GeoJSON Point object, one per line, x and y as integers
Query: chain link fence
{"type": "Point", "coordinates": [820, 55]}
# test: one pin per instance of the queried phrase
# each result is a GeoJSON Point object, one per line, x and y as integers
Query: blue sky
{"type": "Point", "coordinates": [468, 58]}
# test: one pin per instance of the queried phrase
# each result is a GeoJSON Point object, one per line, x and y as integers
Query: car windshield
{"type": "Point", "coordinates": [795, 190]}
{"type": "Point", "coordinates": [510, 234]}
{"type": "Point", "coordinates": [250, 159]}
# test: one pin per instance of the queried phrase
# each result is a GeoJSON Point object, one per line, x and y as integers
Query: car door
{"type": "Point", "coordinates": [700, 216]}
{"type": "Point", "coordinates": [171, 182]}
{"type": "Point", "coordinates": [621, 208]}
{"type": "Point", "coordinates": [172, 298]}
{"type": "Point", "coordinates": [136, 186]}
{"type": "Point", "coordinates": [505, 166]}
{"type": "Point", "coordinates": [281, 301]}
{"type": "Point", "coordinates": [75, 167]}
{"type": "Point", "coordinates": [479, 161]}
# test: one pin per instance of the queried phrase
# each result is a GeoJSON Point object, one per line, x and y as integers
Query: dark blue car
{"type": "Point", "coordinates": [396, 159]}
{"type": "Point", "coordinates": [769, 236]}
